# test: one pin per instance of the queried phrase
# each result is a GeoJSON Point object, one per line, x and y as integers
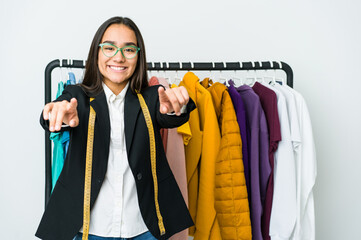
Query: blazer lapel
{"type": "Point", "coordinates": [131, 112]}
{"type": "Point", "coordinates": [100, 106]}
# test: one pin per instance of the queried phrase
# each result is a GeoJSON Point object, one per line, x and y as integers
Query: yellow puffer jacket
{"type": "Point", "coordinates": [231, 200]}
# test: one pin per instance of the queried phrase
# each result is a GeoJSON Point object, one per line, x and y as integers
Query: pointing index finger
{"type": "Point", "coordinates": [73, 103]}
{"type": "Point", "coordinates": [161, 90]}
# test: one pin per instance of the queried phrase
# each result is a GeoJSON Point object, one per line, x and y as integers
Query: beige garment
{"type": "Point", "coordinates": [163, 131]}
{"type": "Point", "coordinates": [176, 159]}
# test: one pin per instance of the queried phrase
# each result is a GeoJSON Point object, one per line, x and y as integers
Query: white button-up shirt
{"type": "Point", "coordinates": [116, 211]}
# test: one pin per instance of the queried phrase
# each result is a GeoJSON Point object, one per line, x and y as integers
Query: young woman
{"type": "Point", "coordinates": [123, 199]}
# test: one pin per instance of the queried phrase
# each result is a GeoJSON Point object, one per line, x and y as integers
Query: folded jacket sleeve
{"type": "Point", "coordinates": [172, 121]}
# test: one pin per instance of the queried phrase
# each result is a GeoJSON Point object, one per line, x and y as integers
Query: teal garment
{"type": "Point", "coordinates": [58, 150]}
{"type": "Point", "coordinates": [65, 141]}
{"type": "Point", "coordinates": [58, 157]}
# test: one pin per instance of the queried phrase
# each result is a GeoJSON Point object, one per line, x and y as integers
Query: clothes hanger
{"type": "Point", "coordinates": [236, 79]}
{"type": "Point", "coordinates": [64, 70]}
{"type": "Point", "coordinates": [250, 80]}
{"type": "Point", "coordinates": [221, 77]}
{"type": "Point", "coordinates": [192, 67]}
{"type": "Point", "coordinates": [272, 78]}
{"type": "Point", "coordinates": [211, 77]}
{"type": "Point", "coordinates": [69, 62]}
{"type": "Point", "coordinates": [177, 79]}
{"type": "Point", "coordinates": [167, 78]}
{"type": "Point", "coordinates": [280, 80]}
{"type": "Point", "coordinates": [259, 79]}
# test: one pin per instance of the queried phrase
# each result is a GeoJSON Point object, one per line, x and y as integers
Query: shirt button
{"type": "Point", "coordinates": [139, 176]}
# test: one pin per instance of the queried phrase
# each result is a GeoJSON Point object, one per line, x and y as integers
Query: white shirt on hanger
{"type": "Point", "coordinates": [295, 136]}
{"type": "Point", "coordinates": [284, 206]}
{"type": "Point", "coordinates": [116, 211]}
{"type": "Point", "coordinates": [292, 117]}
{"type": "Point", "coordinates": [306, 172]}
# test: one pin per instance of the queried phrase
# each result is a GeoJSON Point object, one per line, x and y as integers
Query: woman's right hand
{"type": "Point", "coordinates": [61, 112]}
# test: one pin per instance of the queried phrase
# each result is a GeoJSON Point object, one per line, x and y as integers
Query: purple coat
{"type": "Point", "coordinates": [258, 145]}
{"type": "Point", "coordinates": [268, 100]}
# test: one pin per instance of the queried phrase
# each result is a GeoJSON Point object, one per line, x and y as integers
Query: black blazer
{"type": "Point", "coordinates": [63, 216]}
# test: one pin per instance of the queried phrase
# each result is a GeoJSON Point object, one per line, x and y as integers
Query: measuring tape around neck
{"type": "Point", "coordinates": [88, 172]}
{"type": "Point", "coordinates": [149, 123]}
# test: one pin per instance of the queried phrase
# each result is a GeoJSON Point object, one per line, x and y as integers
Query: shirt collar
{"type": "Point", "coordinates": [111, 97]}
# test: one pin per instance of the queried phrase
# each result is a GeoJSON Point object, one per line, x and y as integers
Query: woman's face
{"type": "Point", "coordinates": [117, 70]}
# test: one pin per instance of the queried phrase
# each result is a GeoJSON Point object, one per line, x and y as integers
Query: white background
{"type": "Point", "coordinates": [320, 40]}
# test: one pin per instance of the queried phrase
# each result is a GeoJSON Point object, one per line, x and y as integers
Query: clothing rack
{"type": "Point", "coordinates": [153, 66]}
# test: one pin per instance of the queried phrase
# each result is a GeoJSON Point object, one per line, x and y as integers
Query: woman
{"type": "Point", "coordinates": [123, 200]}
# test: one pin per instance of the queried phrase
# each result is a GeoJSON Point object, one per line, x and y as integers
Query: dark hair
{"type": "Point", "coordinates": [93, 79]}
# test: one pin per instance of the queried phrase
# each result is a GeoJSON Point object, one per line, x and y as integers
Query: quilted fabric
{"type": "Point", "coordinates": [231, 199]}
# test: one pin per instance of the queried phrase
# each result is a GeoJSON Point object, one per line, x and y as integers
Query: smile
{"type": "Point", "coordinates": [117, 68]}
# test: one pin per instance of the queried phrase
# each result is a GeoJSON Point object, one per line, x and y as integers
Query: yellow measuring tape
{"type": "Point", "coordinates": [88, 166]}
{"type": "Point", "coordinates": [88, 173]}
{"type": "Point", "coordinates": [149, 123]}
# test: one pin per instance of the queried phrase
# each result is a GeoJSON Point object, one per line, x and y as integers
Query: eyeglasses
{"type": "Point", "coordinates": [109, 50]}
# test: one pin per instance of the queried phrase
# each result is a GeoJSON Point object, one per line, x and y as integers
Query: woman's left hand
{"type": "Point", "coordinates": [172, 99]}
